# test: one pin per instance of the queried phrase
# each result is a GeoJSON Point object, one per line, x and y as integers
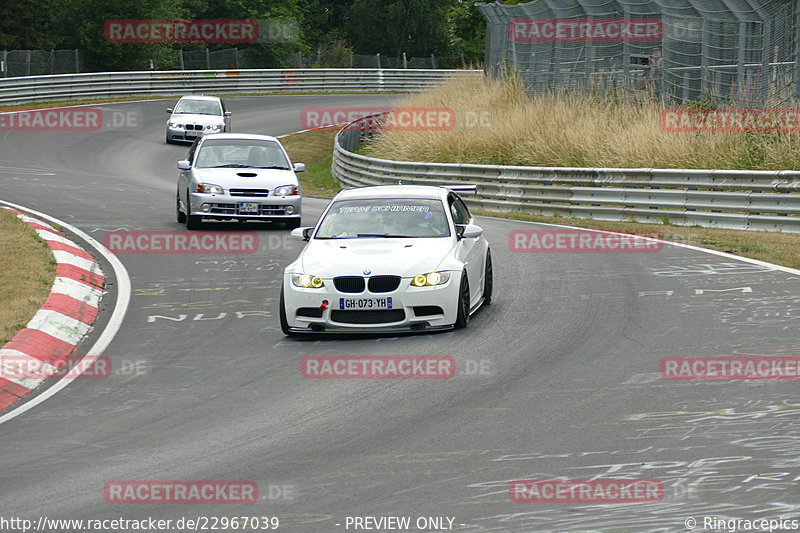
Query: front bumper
{"type": "Point", "coordinates": [226, 207]}
{"type": "Point", "coordinates": [188, 135]}
{"type": "Point", "coordinates": [413, 308]}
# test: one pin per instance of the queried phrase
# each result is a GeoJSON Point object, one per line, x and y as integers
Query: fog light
{"type": "Point", "coordinates": [206, 208]}
{"type": "Point", "coordinates": [289, 210]}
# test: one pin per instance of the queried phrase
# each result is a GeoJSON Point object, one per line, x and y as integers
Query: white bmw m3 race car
{"type": "Point", "coordinates": [388, 258]}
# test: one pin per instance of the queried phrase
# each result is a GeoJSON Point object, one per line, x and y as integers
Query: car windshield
{"type": "Point", "coordinates": [198, 107]}
{"type": "Point", "coordinates": [241, 153]}
{"type": "Point", "coordinates": [384, 218]}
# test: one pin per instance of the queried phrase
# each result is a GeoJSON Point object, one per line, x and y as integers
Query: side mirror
{"type": "Point", "coordinates": [169, 110]}
{"type": "Point", "coordinates": [299, 167]}
{"type": "Point", "coordinates": [302, 234]}
{"type": "Point", "coordinates": [184, 165]}
{"type": "Point", "coordinates": [469, 231]}
{"type": "Point", "coordinates": [227, 113]}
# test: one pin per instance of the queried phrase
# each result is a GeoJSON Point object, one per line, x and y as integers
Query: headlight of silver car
{"type": "Point", "coordinates": [285, 190]}
{"type": "Point", "coordinates": [431, 278]}
{"type": "Point", "coordinates": [209, 188]}
{"type": "Point", "coordinates": [214, 127]}
{"type": "Point", "coordinates": [307, 280]}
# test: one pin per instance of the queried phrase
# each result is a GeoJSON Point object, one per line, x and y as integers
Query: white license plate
{"type": "Point", "coordinates": [365, 303]}
{"type": "Point", "coordinates": [248, 208]}
{"type": "Point", "coordinates": [190, 134]}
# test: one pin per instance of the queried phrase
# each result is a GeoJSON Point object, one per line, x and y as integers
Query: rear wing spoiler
{"type": "Point", "coordinates": [473, 189]}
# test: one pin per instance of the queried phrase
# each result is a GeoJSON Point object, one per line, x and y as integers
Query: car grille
{"type": "Point", "coordinates": [311, 312]}
{"type": "Point", "coordinates": [349, 283]}
{"type": "Point", "coordinates": [249, 192]}
{"type": "Point", "coordinates": [375, 283]}
{"type": "Point", "coordinates": [368, 317]}
{"type": "Point", "coordinates": [383, 283]}
{"type": "Point", "coordinates": [427, 310]}
{"type": "Point", "coordinates": [231, 209]}
{"type": "Point", "coordinates": [196, 127]}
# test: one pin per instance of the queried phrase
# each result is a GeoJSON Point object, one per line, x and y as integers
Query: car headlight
{"type": "Point", "coordinates": [431, 278]}
{"type": "Point", "coordinates": [307, 280]}
{"type": "Point", "coordinates": [209, 188]}
{"type": "Point", "coordinates": [285, 190]}
{"type": "Point", "coordinates": [214, 127]}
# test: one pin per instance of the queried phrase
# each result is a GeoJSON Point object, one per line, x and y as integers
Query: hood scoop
{"type": "Point", "coordinates": [247, 174]}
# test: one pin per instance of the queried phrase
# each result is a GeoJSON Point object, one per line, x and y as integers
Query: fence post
{"type": "Point", "coordinates": [299, 60]}
{"type": "Point", "coordinates": [77, 62]}
{"type": "Point", "coordinates": [5, 63]}
{"type": "Point", "coordinates": [180, 58]}
{"type": "Point", "coordinates": [463, 62]}
{"type": "Point", "coordinates": [378, 59]}
{"type": "Point", "coordinates": [28, 63]}
{"type": "Point", "coordinates": [208, 59]}
{"type": "Point", "coordinates": [236, 58]}
{"type": "Point", "coordinates": [405, 61]}
{"type": "Point", "coordinates": [433, 61]}
{"type": "Point", "coordinates": [52, 61]}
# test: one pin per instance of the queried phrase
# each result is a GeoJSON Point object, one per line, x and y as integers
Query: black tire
{"type": "Point", "coordinates": [292, 223]}
{"type": "Point", "coordinates": [192, 221]}
{"type": "Point", "coordinates": [169, 141]}
{"type": "Point", "coordinates": [284, 323]}
{"type": "Point", "coordinates": [488, 280]}
{"type": "Point", "coordinates": [462, 318]}
{"type": "Point", "coordinates": [181, 216]}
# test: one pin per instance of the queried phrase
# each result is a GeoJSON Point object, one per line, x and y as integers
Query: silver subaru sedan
{"type": "Point", "coordinates": [238, 176]}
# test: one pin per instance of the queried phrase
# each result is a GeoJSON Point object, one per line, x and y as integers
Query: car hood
{"type": "Point", "coordinates": [191, 118]}
{"type": "Point", "coordinates": [351, 257]}
{"type": "Point", "coordinates": [245, 177]}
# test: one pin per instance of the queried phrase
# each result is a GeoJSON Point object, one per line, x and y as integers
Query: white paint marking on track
{"type": "Point", "coordinates": [111, 329]}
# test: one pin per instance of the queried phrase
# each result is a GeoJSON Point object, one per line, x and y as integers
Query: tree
{"type": "Point", "coordinates": [391, 27]}
{"type": "Point", "coordinates": [467, 29]}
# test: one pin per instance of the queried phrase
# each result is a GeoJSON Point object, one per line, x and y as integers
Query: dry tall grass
{"type": "Point", "coordinates": [569, 130]}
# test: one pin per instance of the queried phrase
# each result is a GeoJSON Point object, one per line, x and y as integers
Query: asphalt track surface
{"type": "Point", "coordinates": [569, 386]}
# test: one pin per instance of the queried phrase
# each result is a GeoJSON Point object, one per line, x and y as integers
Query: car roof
{"type": "Point", "coordinates": [200, 97]}
{"type": "Point", "coordinates": [242, 136]}
{"type": "Point", "coordinates": [394, 191]}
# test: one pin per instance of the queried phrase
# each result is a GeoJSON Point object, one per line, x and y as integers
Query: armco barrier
{"type": "Point", "coordinates": [29, 89]}
{"type": "Point", "coordinates": [731, 199]}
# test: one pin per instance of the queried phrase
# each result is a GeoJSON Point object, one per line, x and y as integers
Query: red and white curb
{"type": "Point", "coordinates": [63, 321]}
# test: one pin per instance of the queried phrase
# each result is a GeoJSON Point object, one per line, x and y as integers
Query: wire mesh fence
{"type": "Point", "coordinates": [40, 62]}
{"type": "Point", "coordinates": [742, 51]}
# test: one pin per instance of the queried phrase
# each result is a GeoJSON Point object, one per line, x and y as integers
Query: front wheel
{"type": "Point", "coordinates": [192, 221]}
{"type": "Point", "coordinates": [488, 280]}
{"type": "Point", "coordinates": [181, 216]}
{"type": "Point", "coordinates": [462, 318]}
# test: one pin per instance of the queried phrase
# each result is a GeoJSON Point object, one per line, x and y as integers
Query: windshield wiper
{"type": "Point", "coordinates": [385, 235]}
{"type": "Point", "coordinates": [274, 167]}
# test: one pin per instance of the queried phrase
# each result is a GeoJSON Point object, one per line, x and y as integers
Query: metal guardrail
{"type": "Point", "coordinates": [26, 89]}
{"type": "Point", "coordinates": [731, 199]}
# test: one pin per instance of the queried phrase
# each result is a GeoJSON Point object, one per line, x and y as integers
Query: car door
{"type": "Point", "coordinates": [468, 250]}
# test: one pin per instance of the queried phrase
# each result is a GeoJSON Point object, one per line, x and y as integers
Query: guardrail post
{"type": "Point", "coordinates": [208, 59]}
